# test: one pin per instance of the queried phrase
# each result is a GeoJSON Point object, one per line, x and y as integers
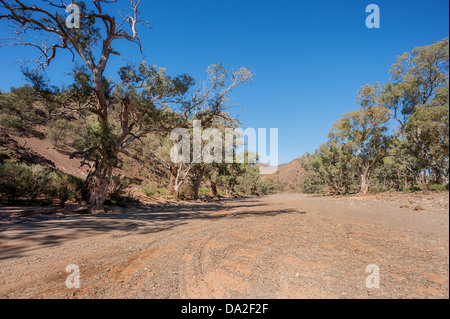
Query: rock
{"type": "Point", "coordinates": [418, 208]}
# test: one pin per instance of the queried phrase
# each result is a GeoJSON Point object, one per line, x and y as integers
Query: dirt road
{"type": "Point", "coordinates": [280, 246]}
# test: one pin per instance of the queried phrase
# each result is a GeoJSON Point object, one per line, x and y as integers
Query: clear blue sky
{"type": "Point", "coordinates": [310, 57]}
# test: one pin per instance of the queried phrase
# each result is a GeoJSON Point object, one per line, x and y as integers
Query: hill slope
{"type": "Point", "coordinates": [291, 175]}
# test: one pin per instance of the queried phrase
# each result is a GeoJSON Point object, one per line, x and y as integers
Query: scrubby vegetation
{"type": "Point", "coordinates": [120, 124]}
{"type": "Point", "coordinates": [114, 122]}
{"type": "Point", "coordinates": [36, 183]}
{"type": "Point", "coordinates": [398, 139]}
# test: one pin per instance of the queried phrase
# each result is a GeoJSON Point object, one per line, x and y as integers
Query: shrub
{"type": "Point", "coordinates": [186, 191]}
{"type": "Point", "coordinates": [20, 181]}
{"type": "Point", "coordinates": [203, 191]}
{"type": "Point", "coordinates": [64, 187]}
{"type": "Point", "coordinates": [13, 180]}
{"type": "Point", "coordinates": [117, 188]}
{"type": "Point", "coordinates": [250, 182]}
{"type": "Point", "coordinates": [149, 188]}
{"type": "Point", "coordinates": [438, 187]}
{"type": "Point", "coordinates": [162, 191]}
{"type": "Point", "coordinates": [58, 131]}
{"type": "Point", "coordinates": [16, 109]}
{"type": "Point", "coordinates": [39, 179]}
{"type": "Point", "coordinates": [412, 189]}
{"type": "Point", "coordinates": [379, 189]}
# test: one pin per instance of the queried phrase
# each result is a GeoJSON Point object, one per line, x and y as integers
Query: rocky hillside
{"type": "Point", "coordinates": [291, 175]}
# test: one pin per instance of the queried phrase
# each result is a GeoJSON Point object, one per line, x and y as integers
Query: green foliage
{"type": "Point", "coordinates": [16, 109]}
{"type": "Point", "coordinates": [14, 180]}
{"type": "Point", "coordinates": [162, 191]}
{"type": "Point", "coordinates": [412, 189]}
{"type": "Point", "coordinates": [270, 186]}
{"type": "Point", "coordinates": [63, 187]}
{"type": "Point", "coordinates": [379, 189]}
{"type": "Point", "coordinates": [20, 181]}
{"type": "Point", "coordinates": [58, 131]}
{"type": "Point", "coordinates": [203, 191]}
{"type": "Point", "coordinates": [438, 187]}
{"type": "Point", "coordinates": [186, 191]}
{"type": "Point", "coordinates": [312, 184]}
{"type": "Point", "coordinates": [117, 188]}
{"type": "Point", "coordinates": [366, 144]}
{"type": "Point", "coordinates": [149, 188]}
{"type": "Point", "coordinates": [330, 166]}
{"type": "Point", "coordinates": [251, 183]}
{"type": "Point", "coordinates": [420, 93]}
{"type": "Point", "coordinates": [363, 136]}
{"type": "Point", "coordinates": [103, 141]}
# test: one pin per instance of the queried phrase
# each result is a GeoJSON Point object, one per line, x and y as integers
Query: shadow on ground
{"type": "Point", "coordinates": [19, 239]}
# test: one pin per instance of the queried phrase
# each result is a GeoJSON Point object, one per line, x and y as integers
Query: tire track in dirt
{"type": "Point", "coordinates": [280, 246]}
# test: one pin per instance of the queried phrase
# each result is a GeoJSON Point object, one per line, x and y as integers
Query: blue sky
{"type": "Point", "coordinates": [309, 57]}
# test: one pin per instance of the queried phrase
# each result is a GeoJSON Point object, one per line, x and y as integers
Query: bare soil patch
{"type": "Point", "coordinates": [280, 246]}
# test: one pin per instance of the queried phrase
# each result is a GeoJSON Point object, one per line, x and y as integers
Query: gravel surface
{"type": "Point", "coordinates": [280, 246]}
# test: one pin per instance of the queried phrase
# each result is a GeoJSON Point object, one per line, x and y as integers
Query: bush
{"type": "Point", "coordinates": [203, 191]}
{"type": "Point", "coordinates": [270, 186]}
{"type": "Point", "coordinates": [250, 182]}
{"type": "Point", "coordinates": [412, 189]}
{"type": "Point", "coordinates": [40, 177]}
{"type": "Point", "coordinates": [162, 191]}
{"type": "Point", "coordinates": [117, 188]}
{"type": "Point", "coordinates": [20, 181]}
{"type": "Point", "coordinates": [58, 131]}
{"type": "Point", "coordinates": [186, 191]}
{"type": "Point", "coordinates": [16, 109]}
{"type": "Point", "coordinates": [14, 180]}
{"type": "Point", "coordinates": [379, 189]}
{"type": "Point", "coordinates": [64, 187]}
{"type": "Point", "coordinates": [438, 187]}
{"type": "Point", "coordinates": [149, 188]}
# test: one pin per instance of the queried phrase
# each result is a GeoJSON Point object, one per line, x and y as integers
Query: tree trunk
{"type": "Point", "coordinates": [440, 177]}
{"type": "Point", "coordinates": [96, 185]}
{"type": "Point", "coordinates": [172, 190]}
{"type": "Point", "coordinates": [196, 187]}
{"type": "Point", "coordinates": [399, 179]}
{"type": "Point", "coordinates": [213, 190]}
{"type": "Point", "coordinates": [364, 183]}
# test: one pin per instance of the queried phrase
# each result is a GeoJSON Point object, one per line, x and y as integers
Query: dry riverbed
{"type": "Point", "coordinates": [279, 246]}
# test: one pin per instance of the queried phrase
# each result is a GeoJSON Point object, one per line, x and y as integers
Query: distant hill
{"type": "Point", "coordinates": [291, 175]}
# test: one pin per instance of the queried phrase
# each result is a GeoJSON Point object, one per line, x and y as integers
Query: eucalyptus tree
{"type": "Point", "coordinates": [417, 100]}
{"type": "Point", "coordinates": [329, 166]}
{"type": "Point", "coordinates": [364, 135]}
{"type": "Point", "coordinates": [144, 100]}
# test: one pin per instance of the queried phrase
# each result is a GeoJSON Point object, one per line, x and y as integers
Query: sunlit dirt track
{"type": "Point", "coordinates": [280, 246]}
